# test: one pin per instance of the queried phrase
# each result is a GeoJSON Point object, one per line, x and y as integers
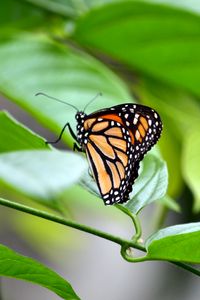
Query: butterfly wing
{"type": "Point", "coordinates": [144, 124]}
{"type": "Point", "coordinates": [118, 138]}
{"type": "Point", "coordinates": [108, 150]}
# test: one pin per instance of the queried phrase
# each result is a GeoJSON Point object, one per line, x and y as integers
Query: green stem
{"type": "Point", "coordinates": [129, 258]}
{"type": "Point", "coordinates": [60, 220]}
{"type": "Point", "coordinates": [136, 222]}
{"type": "Point", "coordinates": [125, 244]}
{"type": "Point", "coordinates": [187, 267]}
{"type": "Point", "coordinates": [133, 259]}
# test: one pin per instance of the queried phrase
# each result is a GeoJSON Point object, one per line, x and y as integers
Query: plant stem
{"type": "Point", "coordinates": [125, 244]}
{"type": "Point", "coordinates": [131, 258]}
{"type": "Point", "coordinates": [70, 223]}
{"type": "Point", "coordinates": [187, 267]}
{"type": "Point", "coordinates": [136, 222]}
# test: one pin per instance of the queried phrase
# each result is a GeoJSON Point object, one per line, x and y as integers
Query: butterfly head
{"type": "Point", "coordinates": [80, 116]}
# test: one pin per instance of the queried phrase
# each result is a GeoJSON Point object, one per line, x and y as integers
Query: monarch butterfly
{"type": "Point", "coordinates": [115, 140]}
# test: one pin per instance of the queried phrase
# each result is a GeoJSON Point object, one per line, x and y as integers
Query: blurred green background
{"type": "Point", "coordinates": [141, 51]}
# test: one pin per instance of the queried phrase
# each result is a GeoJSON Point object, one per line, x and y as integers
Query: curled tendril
{"type": "Point", "coordinates": [128, 254]}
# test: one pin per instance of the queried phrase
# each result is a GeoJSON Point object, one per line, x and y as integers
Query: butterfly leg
{"type": "Point", "coordinates": [60, 136]}
{"type": "Point", "coordinates": [76, 147]}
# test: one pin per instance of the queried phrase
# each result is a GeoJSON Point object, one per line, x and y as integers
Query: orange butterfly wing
{"type": "Point", "coordinates": [118, 138]}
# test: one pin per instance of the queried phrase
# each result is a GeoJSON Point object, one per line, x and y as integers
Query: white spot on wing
{"type": "Point", "coordinates": [135, 121]}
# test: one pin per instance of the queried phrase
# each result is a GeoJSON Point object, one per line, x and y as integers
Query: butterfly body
{"type": "Point", "coordinates": [115, 140]}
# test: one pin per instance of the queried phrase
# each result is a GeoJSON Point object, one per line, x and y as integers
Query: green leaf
{"type": "Point", "coordinates": [73, 8]}
{"type": "Point", "coordinates": [15, 136]}
{"type": "Point", "coordinates": [175, 243]}
{"type": "Point", "coordinates": [22, 267]}
{"type": "Point", "coordinates": [61, 7]}
{"type": "Point", "coordinates": [191, 5]}
{"type": "Point", "coordinates": [156, 40]}
{"type": "Point", "coordinates": [42, 65]}
{"type": "Point", "coordinates": [18, 14]}
{"type": "Point", "coordinates": [191, 162]}
{"type": "Point", "coordinates": [170, 148]}
{"type": "Point", "coordinates": [151, 185]}
{"type": "Point", "coordinates": [170, 203]}
{"type": "Point", "coordinates": [42, 175]}
{"type": "Point", "coordinates": [89, 184]}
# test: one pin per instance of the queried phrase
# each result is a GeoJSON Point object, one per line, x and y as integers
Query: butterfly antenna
{"type": "Point", "coordinates": [58, 100]}
{"type": "Point", "coordinates": [97, 95]}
